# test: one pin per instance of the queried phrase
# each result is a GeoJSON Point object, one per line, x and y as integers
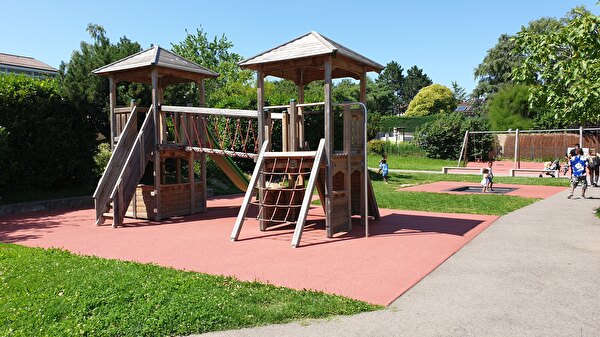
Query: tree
{"type": "Point", "coordinates": [431, 100]}
{"type": "Point", "coordinates": [88, 92]}
{"type": "Point", "coordinates": [392, 76]}
{"type": "Point", "coordinates": [567, 64]}
{"type": "Point", "coordinates": [414, 81]}
{"type": "Point", "coordinates": [509, 108]}
{"type": "Point", "coordinates": [498, 64]}
{"type": "Point", "coordinates": [460, 94]}
{"type": "Point", "coordinates": [232, 89]}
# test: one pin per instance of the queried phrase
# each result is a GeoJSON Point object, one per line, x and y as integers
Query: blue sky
{"type": "Point", "coordinates": [448, 39]}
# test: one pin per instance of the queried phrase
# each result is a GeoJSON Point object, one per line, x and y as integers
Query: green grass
{"type": "Point", "coordinates": [417, 178]}
{"type": "Point", "coordinates": [388, 196]}
{"type": "Point", "coordinates": [391, 196]}
{"type": "Point", "coordinates": [55, 293]}
{"type": "Point", "coordinates": [411, 163]}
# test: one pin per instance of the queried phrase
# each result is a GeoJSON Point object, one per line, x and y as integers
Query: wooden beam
{"type": "Point", "coordinates": [157, 137]}
{"type": "Point", "coordinates": [113, 104]}
{"type": "Point", "coordinates": [202, 103]}
{"type": "Point", "coordinates": [293, 127]}
{"type": "Point", "coordinates": [301, 117]}
{"type": "Point", "coordinates": [329, 124]}
{"type": "Point", "coordinates": [211, 111]}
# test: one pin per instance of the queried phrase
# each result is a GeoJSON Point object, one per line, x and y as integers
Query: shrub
{"type": "Point", "coordinates": [47, 142]}
{"type": "Point", "coordinates": [443, 137]}
{"type": "Point", "coordinates": [376, 146]}
{"type": "Point", "coordinates": [101, 158]}
{"type": "Point", "coordinates": [432, 100]}
{"type": "Point", "coordinates": [409, 123]}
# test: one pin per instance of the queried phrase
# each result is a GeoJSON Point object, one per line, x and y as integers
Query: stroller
{"type": "Point", "coordinates": [551, 167]}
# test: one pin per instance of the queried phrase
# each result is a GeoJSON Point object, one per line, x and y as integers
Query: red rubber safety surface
{"type": "Point", "coordinates": [404, 246]}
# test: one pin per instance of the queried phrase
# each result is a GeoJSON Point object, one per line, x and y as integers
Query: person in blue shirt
{"type": "Point", "coordinates": [578, 164]}
{"type": "Point", "coordinates": [383, 168]}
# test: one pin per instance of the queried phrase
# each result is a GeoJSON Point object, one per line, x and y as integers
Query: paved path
{"type": "Point", "coordinates": [534, 272]}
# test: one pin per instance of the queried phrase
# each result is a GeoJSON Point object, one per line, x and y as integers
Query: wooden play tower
{"type": "Point", "coordinates": [286, 180]}
{"type": "Point", "coordinates": [158, 165]}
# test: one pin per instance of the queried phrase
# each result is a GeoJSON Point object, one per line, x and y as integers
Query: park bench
{"type": "Point", "coordinates": [540, 171]}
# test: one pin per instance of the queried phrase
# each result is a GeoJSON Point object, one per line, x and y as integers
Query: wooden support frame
{"type": "Point", "coordinates": [158, 135]}
{"type": "Point", "coordinates": [329, 123]}
{"type": "Point", "coordinates": [237, 227]}
{"type": "Point", "coordinates": [310, 188]}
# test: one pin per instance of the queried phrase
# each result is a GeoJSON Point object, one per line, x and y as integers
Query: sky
{"type": "Point", "coordinates": [447, 39]}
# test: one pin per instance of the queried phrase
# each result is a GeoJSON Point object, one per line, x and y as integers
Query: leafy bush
{"type": "Point", "coordinates": [376, 146]}
{"type": "Point", "coordinates": [409, 123]}
{"type": "Point", "coordinates": [443, 137]}
{"type": "Point", "coordinates": [432, 100]}
{"type": "Point", "coordinates": [101, 158]}
{"type": "Point", "coordinates": [46, 142]}
{"type": "Point", "coordinates": [509, 108]}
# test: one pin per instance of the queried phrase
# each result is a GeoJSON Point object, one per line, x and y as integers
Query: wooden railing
{"type": "Point", "coordinates": [111, 173]}
{"type": "Point", "coordinates": [133, 169]}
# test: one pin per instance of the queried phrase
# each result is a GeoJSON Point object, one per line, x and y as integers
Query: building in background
{"type": "Point", "coordinates": [29, 66]}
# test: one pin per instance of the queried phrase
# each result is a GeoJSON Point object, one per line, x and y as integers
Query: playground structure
{"type": "Point", "coordinates": [178, 138]}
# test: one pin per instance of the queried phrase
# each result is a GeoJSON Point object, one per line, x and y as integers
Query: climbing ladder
{"type": "Point", "coordinates": [286, 182]}
{"type": "Point", "coordinates": [124, 170]}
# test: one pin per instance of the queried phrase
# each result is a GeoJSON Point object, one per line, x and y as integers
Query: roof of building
{"type": "Point", "coordinates": [25, 62]}
{"type": "Point", "coordinates": [172, 67]}
{"type": "Point", "coordinates": [309, 46]}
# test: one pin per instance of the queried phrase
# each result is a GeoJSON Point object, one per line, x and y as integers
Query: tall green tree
{"type": "Point", "coordinates": [567, 64]}
{"type": "Point", "coordinates": [231, 89]}
{"type": "Point", "coordinates": [415, 80]}
{"type": "Point", "coordinates": [499, 62]}
{"type": "Point", "coordinates": [510, 109]}
{"type": "Point", "coordinates": [460, 94]}
{"type": "Point", "coordinates": [88, 92]}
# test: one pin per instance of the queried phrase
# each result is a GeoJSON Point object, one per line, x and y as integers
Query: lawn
{"type": "Point", "coordinates": [391, 196]}
{"type": "Point", "coordinates": [56, 293]}
{"type": "Point", "coordinates": [411, 163]}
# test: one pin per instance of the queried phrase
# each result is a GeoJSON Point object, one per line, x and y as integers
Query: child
{"type": "Point", "coordinates": [485, 183]}
{"type": "Point", "coordinates": [383, 168]}
{"type": "Point", "coordinates": [578, 166]}
{"type": "Point", "coordinates": [490, 176]}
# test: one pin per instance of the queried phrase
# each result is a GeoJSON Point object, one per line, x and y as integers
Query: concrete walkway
{"type": "Point", "coordinates": [534, 272]}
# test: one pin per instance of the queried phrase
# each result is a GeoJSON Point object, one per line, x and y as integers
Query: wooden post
{"type": "Point", "coordinates": [293, 127]}
{"type": "Point", "coordinates": [348, 152]}
{"type": "Point", "coordinates": [329, 123]}
{"type": "Point", "coordinates": [202, 103]}
{"type": "Point", "coordinates": [285, 133]}
{"type": "Point", "coordinates": [301, 117]}
{"type": "Point", "coordinates": [113, 103]}
{"type": "Point", "coordinates": [517, 159]}
{"type": "Point", "coordinates": [157, 137]}
{"type": "Point", "coordinates": [463, 149]}
{"type": "Point", "coordinates": [264, 124]}
{"type": "Point", "coordinates": [364, 202]}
